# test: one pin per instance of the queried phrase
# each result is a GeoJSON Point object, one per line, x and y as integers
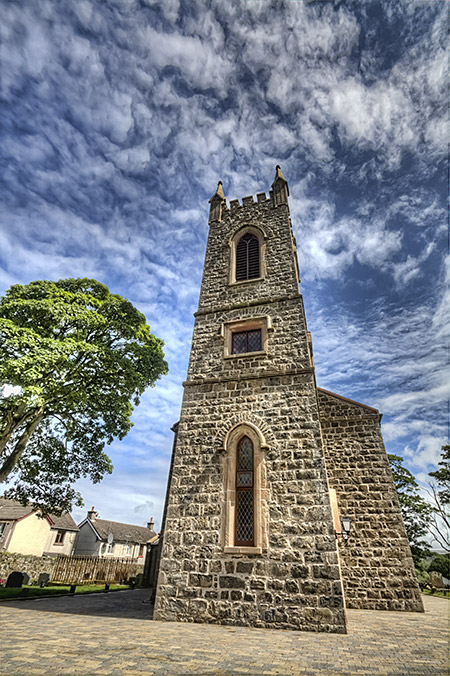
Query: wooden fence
{"type": "Point", "coordinates": [87, 569]}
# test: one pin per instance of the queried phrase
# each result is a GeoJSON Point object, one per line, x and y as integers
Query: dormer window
{"type": "Point", "coordinates": [247, 257]}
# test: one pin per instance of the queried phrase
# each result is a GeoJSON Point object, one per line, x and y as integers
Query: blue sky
{"type": "Point", "coordinates": [119, 118]}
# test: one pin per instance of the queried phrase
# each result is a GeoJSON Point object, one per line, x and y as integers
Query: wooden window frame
{"type": "Point", "coordinates": [248, 254]}
{"type": "Point", "coordinates": [58, 541]}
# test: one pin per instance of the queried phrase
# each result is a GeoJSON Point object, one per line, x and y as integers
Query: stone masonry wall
{"type": "Point", "coordinates": [24, 563]}
{"type": "Point", "coordinates": [377, 567]}
{"type": "Point", "coordinates": [294, 581]}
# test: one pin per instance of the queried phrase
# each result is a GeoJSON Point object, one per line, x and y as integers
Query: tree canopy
{"type": "Point", "coordinates": [440, 493]}
{"type": "Point", "coordinates": [442, 476]}
{"type": "Point", "coordinates": [416, 511]}
{"type": "Point", "coordinates": [74, 360]}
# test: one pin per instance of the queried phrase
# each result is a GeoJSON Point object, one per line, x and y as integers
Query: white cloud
{"type": "Point", "coordinates": [115, 134]}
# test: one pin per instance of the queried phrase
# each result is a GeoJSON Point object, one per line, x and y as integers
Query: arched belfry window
{"type": "Point", "coordinates": [247, 257]}
{"type": "Point", "coordinates": [244, 532]}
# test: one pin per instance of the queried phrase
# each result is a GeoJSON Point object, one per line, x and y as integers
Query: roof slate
{"type": "Point", "coordinates": [12, 510]}
{"type": "Point", "coordinates": [123, 532]}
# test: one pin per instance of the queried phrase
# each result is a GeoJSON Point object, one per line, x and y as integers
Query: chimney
{"type": "Point", "coordinates": [92, 514]}
{"type": "Point", "coordinates": [150, 524]}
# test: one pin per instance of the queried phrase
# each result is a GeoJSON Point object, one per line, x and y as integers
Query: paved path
{"type": "Point", "coordinates": [113, 635]}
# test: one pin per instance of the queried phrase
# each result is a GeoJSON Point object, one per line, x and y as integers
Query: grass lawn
{"type": "Point", "coordinates": [437, 592]}
{"type": "Point", "coordinates": [34, 592]}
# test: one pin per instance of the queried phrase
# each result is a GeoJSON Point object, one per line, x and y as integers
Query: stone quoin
{"type": "Point", "coordinates": [265, 463]}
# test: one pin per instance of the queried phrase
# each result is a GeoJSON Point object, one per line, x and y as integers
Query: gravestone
{"type": "Point", "coordinates": [139, 579]}
{"type": "Point", "coordinates": [15, 579]}
{"type": "Point", "coordinates": [26, 578]}
{"type": "Point", "coordinates": [43, 579]}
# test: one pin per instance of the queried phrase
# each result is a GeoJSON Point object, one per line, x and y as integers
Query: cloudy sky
{"type": "Point", "coordinates": [117, 120]}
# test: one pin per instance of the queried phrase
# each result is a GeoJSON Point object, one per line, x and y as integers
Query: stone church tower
{"type": "Point", "coordinates": [265, 464]}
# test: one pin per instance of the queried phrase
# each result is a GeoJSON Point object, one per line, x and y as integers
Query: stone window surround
{"type": "Point", "coordinates": [263, 322]}
{"type": "Point", "coordinates": [259, 491]}
{"type": "Point", "coordinates": [261, 236]}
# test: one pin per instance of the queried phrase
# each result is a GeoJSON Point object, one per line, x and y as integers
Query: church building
{"type": "Point", "coordinates": [281, 510]}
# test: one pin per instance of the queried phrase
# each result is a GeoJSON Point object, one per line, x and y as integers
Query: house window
{"type": "Point", "coordinates": [110, 548]}
{"type": "Point", "coordinates": [129, 550]}
{"type": "Point", "coordinates": [59, 539]}
{"type": "Point", "coordinates": [246, 341]}
{"type": "Point", "coordinates": [247, 257]}
{"type": "Point", "coordinates": [141, 551]}
{"type": "Point", "coordinates": [2, 529]}
{"type": "Point", "coordinates": [244, 533]}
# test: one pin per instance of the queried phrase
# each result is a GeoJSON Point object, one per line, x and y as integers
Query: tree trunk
{"type": "Point", "coordinates": [13, 458]}
{"type": "Point", "coordinates": [13, 421]}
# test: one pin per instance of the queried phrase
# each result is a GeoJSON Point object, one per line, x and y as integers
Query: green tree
{"type": "Point", "coordinates": [441, 564]}
{"type": "Point", "coordinates": [440, 494]}
{"type": "Point", "coordinates": [416, 511]}
{"type": "Point", "coordinates": [74, 359]}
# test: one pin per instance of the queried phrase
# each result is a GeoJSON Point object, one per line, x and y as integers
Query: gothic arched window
{"type": "Point", "coordinates": [244, 532]}
{"type": "Point", "coordinates": [247, 257]}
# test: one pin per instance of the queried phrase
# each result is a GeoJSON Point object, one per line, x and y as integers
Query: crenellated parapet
{"type": "Point", "coordinates": [278, 196]}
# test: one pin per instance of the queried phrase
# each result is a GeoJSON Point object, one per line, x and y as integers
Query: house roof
{"type": "Point", "coordinates": [12, 510]}
{"type": "Point", "coordinates": [122, 532]}
{"type": "Point", "coordinates": [63, 522]}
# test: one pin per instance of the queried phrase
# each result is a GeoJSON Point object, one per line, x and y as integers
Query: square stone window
{"type": "Point", "coordinates": [246, 337]}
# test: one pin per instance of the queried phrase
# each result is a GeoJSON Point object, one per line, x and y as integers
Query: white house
{"type": "Point", "coordinates": [23, 530]}
{"type": "Point", "coordinates": [101, 537]}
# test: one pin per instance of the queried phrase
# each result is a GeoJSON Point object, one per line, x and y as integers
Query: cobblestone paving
{"type": "Point", "coordinates": [112, 635]}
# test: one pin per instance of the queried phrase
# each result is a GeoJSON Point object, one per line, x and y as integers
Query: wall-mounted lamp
{"type": "Point", "coordinates": [345, 525]}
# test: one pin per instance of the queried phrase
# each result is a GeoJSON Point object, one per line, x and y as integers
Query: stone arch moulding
{"type": "Point", "coordinates": [260, 492]}
{"type": "Point", "coordinates": [233, 241]}
{"type": "Point", "coordinates": [267, 439]}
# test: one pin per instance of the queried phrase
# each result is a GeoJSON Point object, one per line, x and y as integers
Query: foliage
{"type": "Point", "coordinates": [79, 357]}
{"type": "Point", "coordinates": [440, 563]}
{"type": "Point", "coordinates": [443, 593]}
{"type": "Point", "coordinates": [442, 476]}
{"type": "Point", "coordinates": [440, 494]}
{"type": "Point", "coordinates": [423, 575]}
{"type": "Point", "coordinates": [416, 511]}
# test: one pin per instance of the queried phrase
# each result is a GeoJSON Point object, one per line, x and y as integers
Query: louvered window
{"type": "Point", "coordinates": [244, 533]}
{"type": "Point", "coordinates": [247, 257]}
{"type": "Point", "coordinates": [246, 341]}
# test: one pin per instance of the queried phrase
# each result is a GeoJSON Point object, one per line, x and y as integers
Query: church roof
{"type": "Point", "coordinates": [349, 401]}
